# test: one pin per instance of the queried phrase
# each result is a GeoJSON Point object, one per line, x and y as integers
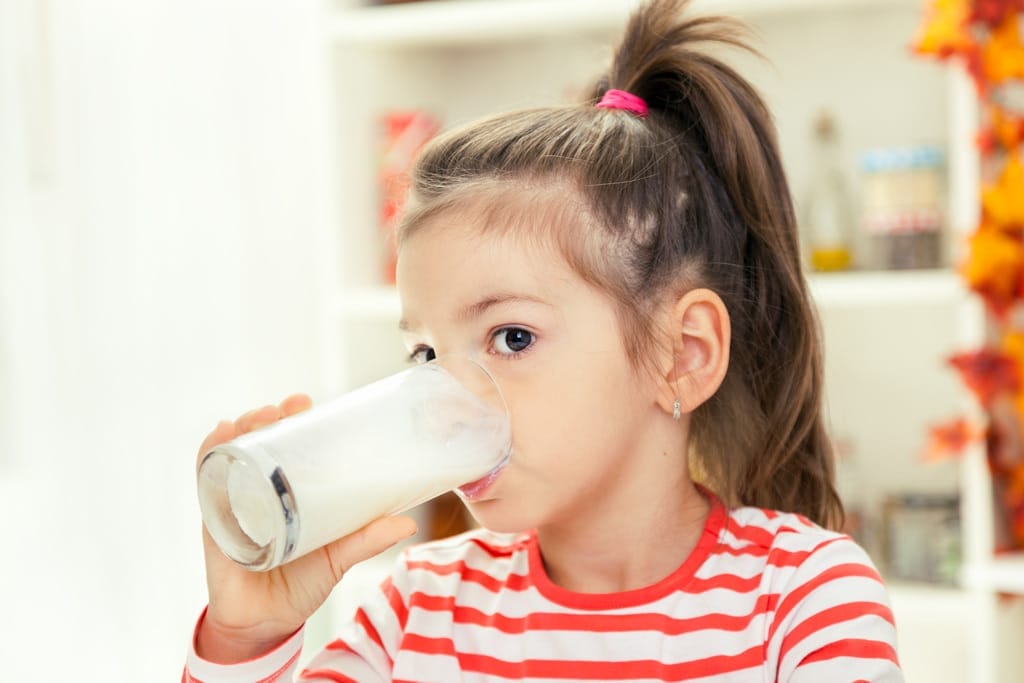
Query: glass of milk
{"type": "Point", "coordinates": [277, 493]}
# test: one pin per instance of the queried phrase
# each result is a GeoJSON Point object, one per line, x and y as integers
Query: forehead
{"type": "Point", "coordinates": [455, 253]}
{"type": "Point", "coordinates": [486, 249]}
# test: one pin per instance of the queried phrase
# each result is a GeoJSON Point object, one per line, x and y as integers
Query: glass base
{"type": "Point", "coordinates": [247, 507]}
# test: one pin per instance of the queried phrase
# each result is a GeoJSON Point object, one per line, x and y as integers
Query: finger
{"type": "Point", "coordinates": [224, 431]}
{"type": "Point", "coordinates": [372, 539]}
{"type": "Point", "coordinates": [254, 419]}
{"type": "Point", "coordinates": [295, 403]}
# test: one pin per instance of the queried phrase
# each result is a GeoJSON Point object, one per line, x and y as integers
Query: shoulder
{"type": "Point", "coordinates": [787, 540]}
{"type": "Point", "coordinates": [829, 606]}
{"type": "Point", "coordinates": [804, 566]}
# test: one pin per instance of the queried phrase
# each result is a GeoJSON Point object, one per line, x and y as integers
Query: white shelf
{"type": "Point", "coordinates": [886, 288]}
{"type": "Point", "coordinates": [895, 288]}
{"type": "Point", "coordinates": [468, 22]}
{"type": "Point", "coordinates": [1002, 574]}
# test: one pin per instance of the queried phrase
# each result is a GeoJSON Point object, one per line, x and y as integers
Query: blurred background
{"type": "Point", "coordinates": [194, 207]}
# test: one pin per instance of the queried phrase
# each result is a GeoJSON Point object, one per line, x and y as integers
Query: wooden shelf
{"type": "Point", "coordinates": [484, 22]}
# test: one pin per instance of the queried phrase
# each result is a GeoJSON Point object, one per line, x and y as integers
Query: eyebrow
{"type": "Point", "coordinates": [477, 309]}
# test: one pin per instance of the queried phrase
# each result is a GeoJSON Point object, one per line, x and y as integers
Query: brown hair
{"type": "Point", "coordinates": [693, 195]}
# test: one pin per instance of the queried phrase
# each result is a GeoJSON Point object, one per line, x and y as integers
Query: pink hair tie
{"type": "Point", "coordinates": [620, 99]}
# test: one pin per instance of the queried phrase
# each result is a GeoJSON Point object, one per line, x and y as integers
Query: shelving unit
{"type": "Point", "coordinates": [460, 59]}
{"type": "Point", "coordinates": [874, 288]}
{"type": "Point", "coordinates": [444, 23]}
{"type": "Point", "coordinates": [1002, 574]}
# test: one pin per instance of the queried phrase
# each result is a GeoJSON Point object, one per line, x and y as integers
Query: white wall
{"type": "Point", "coordinates": [161, 192]}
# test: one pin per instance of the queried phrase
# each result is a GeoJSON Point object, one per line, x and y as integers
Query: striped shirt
{"type": "Point", "coordinates": [764, 596]}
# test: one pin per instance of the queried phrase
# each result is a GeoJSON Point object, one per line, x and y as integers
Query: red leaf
{"type": "Point", "coordinates": [948, 440]}
{"type": "Point", "coordinates": [987, 372]}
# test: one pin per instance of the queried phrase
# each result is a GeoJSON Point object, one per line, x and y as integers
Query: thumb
{"type": "Point", "coordinates": [371, 540]}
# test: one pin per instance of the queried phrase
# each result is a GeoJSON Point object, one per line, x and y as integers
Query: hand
{"type": "Point", "coordinates": [251, 613]}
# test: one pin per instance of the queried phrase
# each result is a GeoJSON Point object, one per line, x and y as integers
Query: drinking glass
{"type": "Point", "coordinates": [279, 492]}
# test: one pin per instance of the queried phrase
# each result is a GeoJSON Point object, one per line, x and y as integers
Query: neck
{"type": "Point", "coordinates": [638, 530]}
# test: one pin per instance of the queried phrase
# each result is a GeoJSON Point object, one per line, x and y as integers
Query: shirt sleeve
{"type": "Point", "coordinates": [366, 647]}
{"type": "Point", "coordinates": [833, 621]}
{"type": "Point", "coordinates": [279, 664]}
{"type": "Point", "coordinates": [363, 652]}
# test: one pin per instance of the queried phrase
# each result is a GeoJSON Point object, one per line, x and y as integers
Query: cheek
{"type": "Point", "coordinates": [570, 414]}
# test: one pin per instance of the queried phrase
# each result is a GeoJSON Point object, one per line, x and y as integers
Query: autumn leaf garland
{"type": "Point", "coordinates": [986, 36]}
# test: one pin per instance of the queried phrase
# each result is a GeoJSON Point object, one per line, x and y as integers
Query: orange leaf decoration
{"type": "Point", "coordinates": [1002, 129]}
{"type": "Point", "coordinates": [949, 440]}
{"type": "Point", "coordinates": [1005, 127]}
{"type": "Point", "coordinates": [1003, 202]}
{"type": "Point", "coordinates": [1013, 346]}
{"type": "Point", "coordinates": [987, 373]}
{"type": "Point", "coordinates": [994, 268]}
{"type": "Point", "coordinates": [944, 31]}
{"type": "Point", "coordinates": [1003, 53]}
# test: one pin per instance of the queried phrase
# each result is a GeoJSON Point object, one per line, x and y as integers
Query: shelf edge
{"type": "Point", "coordinates": [465, 22]}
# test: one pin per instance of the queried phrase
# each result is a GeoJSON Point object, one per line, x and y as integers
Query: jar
{"type": "Point", "coordinates": [902, 207]}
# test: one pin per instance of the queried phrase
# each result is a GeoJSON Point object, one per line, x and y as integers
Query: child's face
{"type": "Point", "coordinates": [552, 342]}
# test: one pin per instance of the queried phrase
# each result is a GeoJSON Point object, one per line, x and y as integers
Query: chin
{"type": "Point", "coordinates": [500, 517]}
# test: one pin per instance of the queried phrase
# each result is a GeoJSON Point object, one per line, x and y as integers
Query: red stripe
{"type": "Point", "coordinates": [747, 550]}
{"type": "Point", "coordinates": [339, 645]}
{"type": "Point", "coordinates": [397, 603]}
{"type": "Point", "coordinates": [777, 557]}
{"type": "Point", "coordinates": [840, 571]}
{"type": "Point", "coordinates": [752, 533]}
{"type": "Point", "coordinates": [520, 582]}
{"type": "Point", "coordinates": [596, 623]}
{"type": "Point", "coordinates": [786, 558]}
{"type": "Point", "coordinates": [328, 674]}
{"type": "Point", "coordinates": [363, 620]}
{"type": "Point", "coordinates": [187, 677]}
{"type": "Point", "coordinates": [586, 669]}
{"type": "Point", "coordinates": [515, 582]}
{"type": "Point", "coordinates": [502, 551]}
{"type": "Point", "coordinates": [829, 617]}
{"type": "Point", "coordinates": [853, 647]}
{"type": "Point", "coordinates": [730, 582]}
{"type": "Point", "coordinates": [277, 674]}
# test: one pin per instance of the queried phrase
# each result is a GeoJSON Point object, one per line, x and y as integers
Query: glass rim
{"type": "Point", "coordinates": [483, 368]}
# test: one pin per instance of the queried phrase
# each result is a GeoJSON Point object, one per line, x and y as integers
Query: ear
{"type": "Point", "coordinates": [700, 331]}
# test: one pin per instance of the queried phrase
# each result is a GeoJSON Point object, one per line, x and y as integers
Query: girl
{"type": "Point", "coordinates": [628, 270]}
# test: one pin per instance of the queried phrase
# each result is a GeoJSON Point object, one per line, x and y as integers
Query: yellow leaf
{"type": "Point", "coordinates": [1003, 53]}
{"type": "Point", "coordinates": [994, 266]}
{"type": "Point", "coordinates": [1004, 201]}
{"type": "Point", "coordinates": [944, 30]}
{"type": "Point", "coordinates": [1013, 345]}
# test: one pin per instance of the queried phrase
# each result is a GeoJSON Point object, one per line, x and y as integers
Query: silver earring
{"type": "Point", "coordinates": [677, 410]}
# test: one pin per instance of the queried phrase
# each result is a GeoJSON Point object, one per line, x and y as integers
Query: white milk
{"type": "Point", "coordinates": [376, 451]}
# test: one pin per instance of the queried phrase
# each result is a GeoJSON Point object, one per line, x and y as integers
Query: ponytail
{"type": "Point", "coordinates": [771, 398]}
{"type": "Point", "coordinates": [692, 195]}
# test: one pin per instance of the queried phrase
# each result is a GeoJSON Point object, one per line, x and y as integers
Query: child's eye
{"type": "Point", "coordinates": [422, 354]}
{"type": "Point", "coordinates": [511, 341]}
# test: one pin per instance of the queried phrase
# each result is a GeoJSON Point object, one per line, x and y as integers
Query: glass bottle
{"type": "Point", "coordinates": [827, 219]}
